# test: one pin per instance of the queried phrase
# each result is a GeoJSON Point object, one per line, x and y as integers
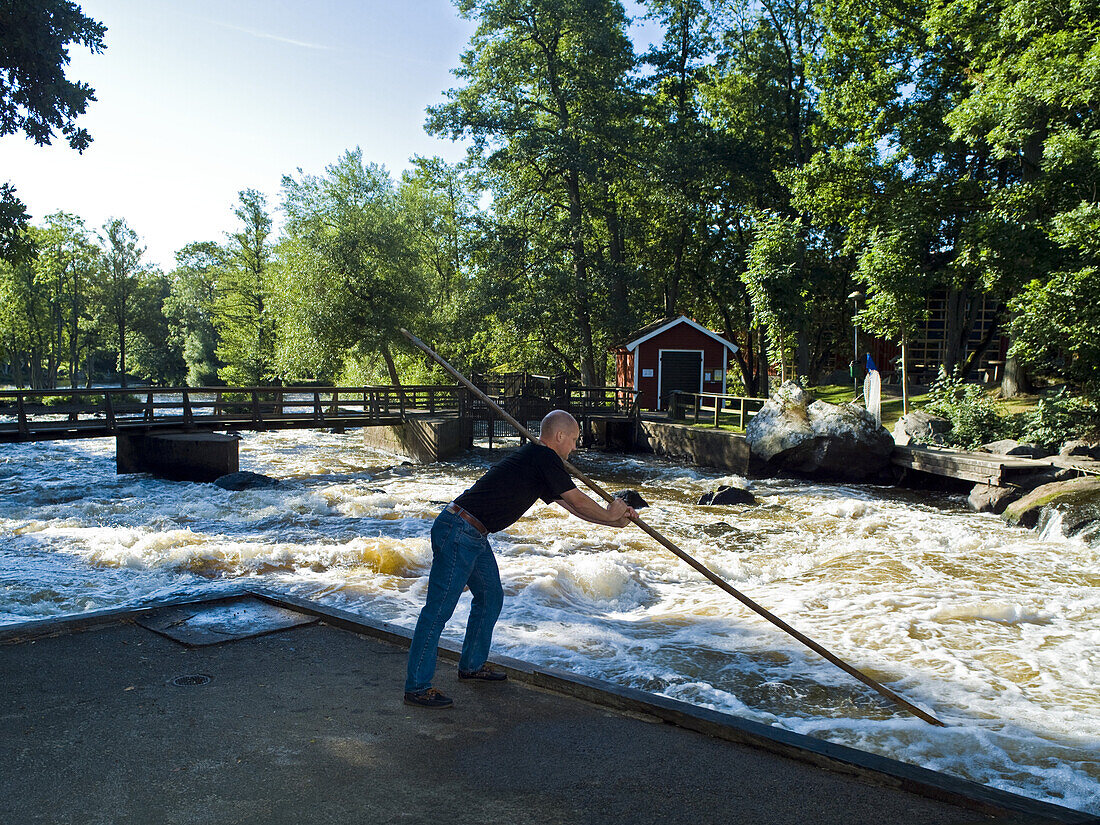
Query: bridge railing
{"type": "Point", "coordinates": [101, 411]}
{"type": "Point", "coordinates": [111, 408]}
{"type": "Point", "coordinates": [713, 408]}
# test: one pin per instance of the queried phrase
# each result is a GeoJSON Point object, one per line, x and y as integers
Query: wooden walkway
{"type": "Point", "coordinates": [984, 468]}
{"type": "Point", "coordinates": [50, 415]}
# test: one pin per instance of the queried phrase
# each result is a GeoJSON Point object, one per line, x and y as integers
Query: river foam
{"type": "Point", "coordinates": [994, 629]}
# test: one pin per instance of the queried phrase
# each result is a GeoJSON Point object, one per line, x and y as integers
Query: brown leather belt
{"type": "Point", "coordinates": [468, 517]}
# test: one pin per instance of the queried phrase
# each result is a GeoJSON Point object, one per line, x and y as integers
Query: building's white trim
{"type": "Point", "coordinates": [683, 319]}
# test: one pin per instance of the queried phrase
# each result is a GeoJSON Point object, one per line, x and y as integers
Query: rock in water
{"type": "Point", "coordinates": [245, 480]}
{"type": "Point", "coordinates": [1078, 499]}
{"type": "Point", "coordinates": [728, 495]}
{"type": "Point", "coordinates": [633, 498]}
{"type": "Point", "coordinates": [796, 434]}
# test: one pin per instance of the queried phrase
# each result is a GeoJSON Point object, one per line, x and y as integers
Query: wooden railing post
{"type": "Point", "coordinates": [188, 417]}
{"type": "Point", "coordinates": [149, 407]}
{"type": "Point", "coordinates": [109, 409]}
{"type": "Point", "coordinates": [22, 416]}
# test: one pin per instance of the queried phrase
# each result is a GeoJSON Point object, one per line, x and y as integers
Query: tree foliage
{"type": "Point", "coordinates": [36, 97]}
{"type": "Point", "coordinates": [351, 277]}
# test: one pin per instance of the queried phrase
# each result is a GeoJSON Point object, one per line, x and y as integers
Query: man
{"type": "Point", "coordinates": [461, 554]}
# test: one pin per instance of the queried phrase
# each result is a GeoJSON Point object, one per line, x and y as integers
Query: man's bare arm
{"type": "Point", "coordinates": [616, 514]}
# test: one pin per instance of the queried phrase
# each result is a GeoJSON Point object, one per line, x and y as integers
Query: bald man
{"type": "Point", "coordinates": [461, 555]}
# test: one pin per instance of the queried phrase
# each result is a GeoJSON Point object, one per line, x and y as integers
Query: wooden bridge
{"type": "Point", "coordinates": [48, 415]}
{"type": "Point", "coordinates": [191, 433]}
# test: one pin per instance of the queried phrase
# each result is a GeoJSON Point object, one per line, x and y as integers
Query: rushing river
{"type": "Point", "coordinates": [994, 629]}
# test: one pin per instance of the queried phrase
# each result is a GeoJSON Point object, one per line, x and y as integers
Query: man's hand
{"type": "Point", "coordinates": [616, 514]}
{"type": "Point", "coordinates": [619, 513]}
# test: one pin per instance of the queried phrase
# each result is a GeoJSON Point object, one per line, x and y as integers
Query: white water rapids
{"type": "Point", "coordinates": [995, 629]}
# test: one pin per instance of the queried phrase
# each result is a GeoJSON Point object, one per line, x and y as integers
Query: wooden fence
{"type": "Point", "coordinates": [715, 409]}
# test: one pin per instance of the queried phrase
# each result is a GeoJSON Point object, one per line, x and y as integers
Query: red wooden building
{"type": "Point", "coordinates": [672, 354]}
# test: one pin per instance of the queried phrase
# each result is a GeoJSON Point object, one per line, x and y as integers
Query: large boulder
{"type": "Point", "coordinates": [1078, 500]}
{"type": "Point", "coordinates": [989, 498]}
{"type": "Point", "coordinates": [793, 433]}
{"type": "Point", "coordinates": [922, 427]}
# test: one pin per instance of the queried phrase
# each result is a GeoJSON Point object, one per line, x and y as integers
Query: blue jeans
{"type": "Point", "coordinates": [461, 556]}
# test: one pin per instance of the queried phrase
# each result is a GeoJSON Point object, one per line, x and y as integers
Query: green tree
{"type": "Point", "coordinates": [544, 100]}
{"type": "Point", "coordinates": [775, 284]}
{"type": "Point", "coordinates": [189, 309]}
{"type": "Point", "coordinates": [36, 97]}
{"type": "Point", "coordinates": [896, 289]}
{"type": "Point", "coordinates": [761, 94]}
{"type": "Point", "coordinates": [155, 354]}
{"type": "Point", "coordinates": [242, 317]}
{"type": "Point", "coordinates": [24, 322]}
{"type": "Point", "coordinates": [119, 287]}
{"type": "Point", "coordinates": [65, 270]}
{"type": "Point", "coordinates": [1032, 89]}
{"type": "Point", "coordinates": [889, 82]}
{"type": "Point", "coordinates": [350, 277]}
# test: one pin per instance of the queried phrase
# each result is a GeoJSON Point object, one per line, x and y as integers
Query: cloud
{"type": "Point", "coordinates": [277, 38]}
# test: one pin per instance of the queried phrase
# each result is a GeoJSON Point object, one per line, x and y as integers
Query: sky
{"type": "Point", "coordinates": [198, 100]}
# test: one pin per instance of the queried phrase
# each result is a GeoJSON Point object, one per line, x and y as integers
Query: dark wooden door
{"type": "Point", "coordinates": [679, 370]}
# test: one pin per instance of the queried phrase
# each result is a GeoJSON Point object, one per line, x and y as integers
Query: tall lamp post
{"type": "Point", "coordinates": [855, 298]}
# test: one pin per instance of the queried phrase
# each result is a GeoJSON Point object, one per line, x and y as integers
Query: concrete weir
{"type": "Point", "coordinates": [118, 723]}
{"type": "Point", "coordinates": [422, 439]}
{"type": "Point", "coordinates": [701, 446]}
{"type": "Point", "coordinates": [180, 456]}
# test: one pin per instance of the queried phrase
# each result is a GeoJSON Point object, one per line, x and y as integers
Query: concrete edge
{"type": "Point", "coordinates": [879, 770]}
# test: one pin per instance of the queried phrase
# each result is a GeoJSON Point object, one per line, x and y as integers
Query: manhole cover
{"type": "Point", "coordinates": [192, 680]}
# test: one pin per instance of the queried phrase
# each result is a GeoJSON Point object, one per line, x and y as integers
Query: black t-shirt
{"type": "Point", "coordinates": [514, 483]}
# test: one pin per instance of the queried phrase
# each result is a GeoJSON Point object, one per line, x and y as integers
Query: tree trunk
{"type": "Point", "coordinates": [391, 367]}
{"type": "Point", "coordinates": [763, 381]}
{"type": "Point", "coordinates": [580, 279]}
{"type": "Point", "coordinates": [620, 297]}
{"type": "Point", "coordinates": [1015, 380]}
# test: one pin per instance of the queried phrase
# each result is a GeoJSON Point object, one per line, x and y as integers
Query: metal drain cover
{"type": "Point", "coordinates": [192, 680]}
{"type": "Point", "coordinates": [224, 620]}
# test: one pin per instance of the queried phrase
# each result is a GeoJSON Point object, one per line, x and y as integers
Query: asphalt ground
{"type": "Point", "coordinates": [307, 725]}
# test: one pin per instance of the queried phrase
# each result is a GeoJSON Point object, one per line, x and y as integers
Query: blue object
{"type": "Point", "coordinates": [871, 364]}
{"type": "Point", "coordinates": [462, 556]}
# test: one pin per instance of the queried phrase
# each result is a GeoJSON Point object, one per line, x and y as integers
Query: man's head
{"type": "Point", "coordinates": [559, 432]}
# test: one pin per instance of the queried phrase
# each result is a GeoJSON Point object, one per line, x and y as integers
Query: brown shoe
{"type": "Point", "coordinates": [485, 673]}
{"type": "Point", "coordinates": [430, 698]}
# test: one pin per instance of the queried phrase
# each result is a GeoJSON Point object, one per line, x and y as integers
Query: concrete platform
{"type": "Point", "coordinates": [103, 721]}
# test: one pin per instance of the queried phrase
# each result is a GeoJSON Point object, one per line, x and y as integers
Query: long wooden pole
{"type": "Point", "coordinates": [690, 560]}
